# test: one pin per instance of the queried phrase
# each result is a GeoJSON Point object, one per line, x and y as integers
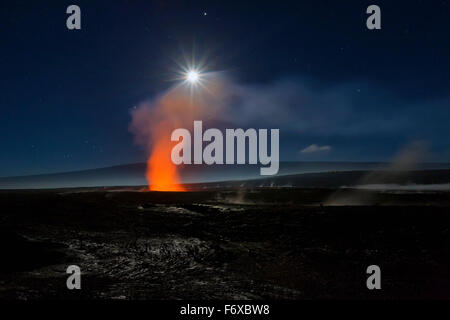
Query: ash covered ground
{"type": "Point", "coordinates": [255, 243]}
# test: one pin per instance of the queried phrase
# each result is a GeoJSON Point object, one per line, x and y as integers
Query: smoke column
{"type": "Point", "coordinates": [153, 122]}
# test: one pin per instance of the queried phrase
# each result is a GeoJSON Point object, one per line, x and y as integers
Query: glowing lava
{"type": "Point", "coordinates": [162, 174]}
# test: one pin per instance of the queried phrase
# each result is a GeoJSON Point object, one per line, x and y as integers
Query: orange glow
{"type": "Point", "coordinates": [162, 174]}
{"type": "Point", "coordinates": [170, 113]}
{"type": "Point", "coordinates": [153, 124]}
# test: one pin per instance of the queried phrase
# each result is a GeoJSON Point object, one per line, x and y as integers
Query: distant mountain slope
{"type": "Point", "coordinates": [336, 179]}
{"type": "Point", "coordinates": [134, 174]}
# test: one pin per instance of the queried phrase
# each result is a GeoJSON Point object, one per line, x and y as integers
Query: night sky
{"type": "Point", "coordinates": [343, 92]}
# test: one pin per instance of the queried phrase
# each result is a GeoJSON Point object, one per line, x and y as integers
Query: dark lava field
{"type": "Point", "coordinates": [254, 243]}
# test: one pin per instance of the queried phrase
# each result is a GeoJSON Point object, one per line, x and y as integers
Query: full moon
{"type": "Point", "coordinates": [192, 76]}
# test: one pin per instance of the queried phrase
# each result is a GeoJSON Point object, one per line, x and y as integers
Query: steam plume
{"type": "Point", "coordinates": [153, 122]}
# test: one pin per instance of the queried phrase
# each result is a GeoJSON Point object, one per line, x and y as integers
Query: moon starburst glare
{"type": "Point", "coordinates": [192, 76]}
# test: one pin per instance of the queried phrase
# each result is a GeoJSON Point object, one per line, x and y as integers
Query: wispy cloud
{"type": "Point", "coordinates": [315, 148]}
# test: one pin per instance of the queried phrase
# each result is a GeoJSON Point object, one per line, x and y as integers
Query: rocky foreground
{"type": "Point", "coordinates": [225, 244]}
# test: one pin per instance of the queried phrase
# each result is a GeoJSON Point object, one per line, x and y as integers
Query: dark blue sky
{"type": "Point", "coordinates": [358, 95]}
